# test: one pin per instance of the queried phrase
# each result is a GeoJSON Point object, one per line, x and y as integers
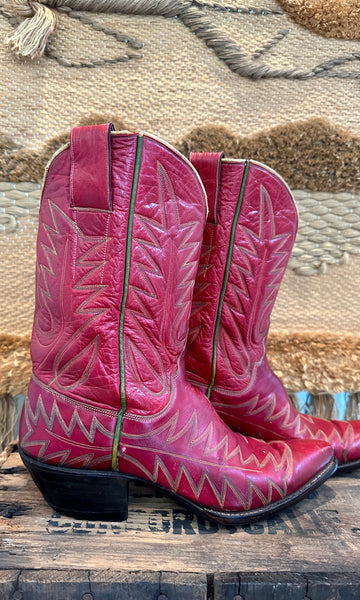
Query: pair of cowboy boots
{"type": "Point", "coordinates": [121, 234]}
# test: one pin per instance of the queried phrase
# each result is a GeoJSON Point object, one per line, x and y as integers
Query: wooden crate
{"type": "Point", "coordinates": [162, 551]}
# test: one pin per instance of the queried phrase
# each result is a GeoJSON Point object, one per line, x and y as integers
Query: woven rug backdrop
{"type": "Point", "coordinates": [277, 81]}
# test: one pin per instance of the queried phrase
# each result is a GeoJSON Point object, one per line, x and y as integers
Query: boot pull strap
{"type": "Point", "coordinates": [90, 175]}
{"type": "Point", "coordinates": [208, 165]}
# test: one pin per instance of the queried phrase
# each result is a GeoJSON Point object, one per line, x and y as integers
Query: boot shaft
{"type": "Point", "coordinates": [247, 245]}
{"type": "Point", "coordinates": [118, 251]}
{"type": "Point", "coordinates": [245, 252]}
{"type": "Point", "coordinates": [120, 230]}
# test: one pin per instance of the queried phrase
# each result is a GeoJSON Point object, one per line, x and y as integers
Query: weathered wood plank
{"type": "Point", "coordinates": [320, 534]}
{"type": "Point", "coordinates": [187, 586]}
{"type": "Point", "coordinates": [8, 583]}
{"type": "Point", "coordinates": [334, 586]}
{"type": "Point", "coordinates": [283, 586]}
{"type": "Point", "coordinates": [9, 449]}
{"type": "Point", "coordinates": [118, 585]}
{"type": "Point", "coordinates": [226, 586]}
{"type": "Point", "coordinates": [13, 464]}
{"type": "Point", "coordinates": [53, 585]}
{"type": "Point", "coordinates": [115, 585]}
{"type": "Point", "coordinates": [110, 585]}
{"type": "Point", "coordinates": [272, 586]}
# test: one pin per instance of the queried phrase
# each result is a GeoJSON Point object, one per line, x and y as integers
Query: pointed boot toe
{"type": "Point", "coordinates": [248, 239]}
{"type": "Point", "coordinates": [344, 436]}
{"type": "Point", "coordinates": [310, 457]}
{"type": "Point", "coordinates": [120, 230]}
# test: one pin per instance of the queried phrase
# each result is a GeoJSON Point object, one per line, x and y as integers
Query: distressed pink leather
{"type": "Point", "coordinates": [59, 430]}
{"type": "Point", "coordinates": [79, 277]}
{"type": "Point", "coordinates": [246, 393]}
{"type": "Point", "coordinates": [90, 175]}
{"type": "Point", "coordinates": [113, 299]}
{"type": "Point", "coordinates": [208, 165]}
{"type": "Point", "coordinates": [186, 448]}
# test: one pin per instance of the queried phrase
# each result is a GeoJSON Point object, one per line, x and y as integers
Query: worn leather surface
{"type": "Point", "coordinates": [79, 277]}
{"type": "Point", "coordinates": [186, 448]}
{"type": "Point", "coordinates": [90, 174]}
{"type": "Point", "coordinates": [92, 268]}
{"type": "Point", "coordinates": [210, 165]}
{"type": "Point", "coordinates": [57, 429]}
{"type": "Point", "coordinates": [246, 393]}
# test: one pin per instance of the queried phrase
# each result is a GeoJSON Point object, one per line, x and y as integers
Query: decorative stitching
{"type": "Point", "coordinates": [30, 440]}
{"type": "Point", "coordinates": [271, 43]}
{"type": "Point", "coordinates": [160, 279]}
{"type": "Point", "coordinates": [302, 425]}
{"type": "Point", "coordinates": [244, 10]}
{"type": "Point", "coordinates": [123, 302]}
{"type": "Point", "coordinates": [328, 230]}
{"type": "Point", "coordinates": [253, 304]}
{"type": "Point", "coordinates": [105, 248]}
{"type": "Point", "coordinates": [82, 404]}
{"type": "Point", "coordinates": [183, 472]}
{"type": "Point", "coordinates": [226, 276]}
{"type": "Point", "coordinates": [55, 412]}
{"type": "Point", "coordinates": [44, 295]}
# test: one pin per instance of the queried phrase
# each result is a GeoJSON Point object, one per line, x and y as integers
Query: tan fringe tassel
{"type": "Point", "coordinates": [9, 414]}
{"type": "Point", "coordinates": [31, 36]}
{"type": "Point", "coordinates": [353, 406]}
{"type": "Point", "coordinates": [322, 405]}
{"type": "Point", "coordinates": [294, 400]}
{"type": "Point", "coordinates": [15, 364]}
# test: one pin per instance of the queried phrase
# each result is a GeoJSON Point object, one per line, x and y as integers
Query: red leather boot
{"type": "Point", "coordinates": [247, 243]}
{"type": "Point", "coordinates": [121, 224]}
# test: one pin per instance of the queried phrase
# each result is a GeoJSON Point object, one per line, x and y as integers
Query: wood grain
{"type": "Point", "coordinates": [166, 549]}
{"type": "Point", "coordinates": [8, 583]}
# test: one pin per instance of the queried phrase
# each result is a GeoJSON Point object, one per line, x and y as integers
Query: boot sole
{"type": "Point", "coordinates": [103, 495]}
{"type": "Point", "coordinates": [348, 467]}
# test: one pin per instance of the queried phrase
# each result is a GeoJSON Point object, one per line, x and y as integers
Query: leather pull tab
{"type": "Point", "coordinates": [208, 165]}
{"type": "Point", "coordinates": [90, 177]}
